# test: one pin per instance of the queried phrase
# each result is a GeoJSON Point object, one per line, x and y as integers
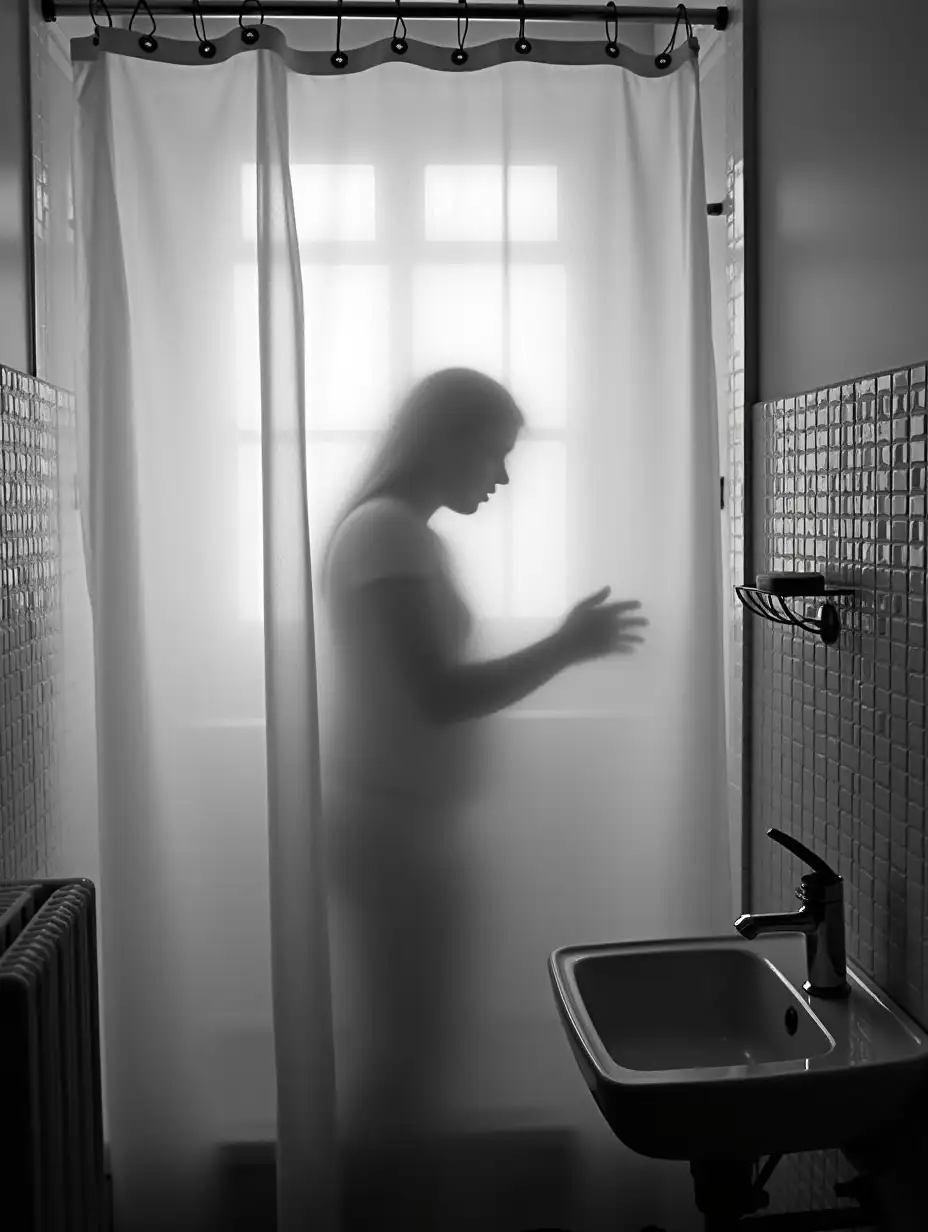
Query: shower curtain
{"type": "Point", "coordinates": [268, 252]}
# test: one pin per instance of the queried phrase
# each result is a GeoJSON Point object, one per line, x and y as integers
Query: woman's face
{"type": "Point", "coordinates": [477, 465]}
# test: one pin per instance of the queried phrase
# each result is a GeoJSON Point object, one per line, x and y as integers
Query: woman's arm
{"type": "Point", "coordinates": [451, 692]}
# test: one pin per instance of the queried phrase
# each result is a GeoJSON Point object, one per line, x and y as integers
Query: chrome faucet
{"type": "Point", "coordinates": [821, 920]}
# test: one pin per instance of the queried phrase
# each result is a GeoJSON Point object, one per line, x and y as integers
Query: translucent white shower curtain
{"type": "Point", "coordinates": [267, 255]}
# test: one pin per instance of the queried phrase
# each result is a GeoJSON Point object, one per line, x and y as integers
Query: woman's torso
{"type": "Point", "coordinates": [379, 740]}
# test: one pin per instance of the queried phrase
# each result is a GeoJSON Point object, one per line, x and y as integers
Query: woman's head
{"type": "Point", "coordinates": [447, 443]}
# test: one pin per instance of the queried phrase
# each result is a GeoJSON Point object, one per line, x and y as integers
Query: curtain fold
{"type": "Point", "coordinates": [150, 1063]}
{"type": "Point", "coordinates": [307, 1159]}
{"type": "Point", "coordinates": [268, 254]}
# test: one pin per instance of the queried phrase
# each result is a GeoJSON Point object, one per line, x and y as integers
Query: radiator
{"type": "Point", "coordinates": [51, 1108]}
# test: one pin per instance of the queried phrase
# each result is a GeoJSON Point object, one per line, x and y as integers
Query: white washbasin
{"type": "Point", "coordinates": [710, 1048]}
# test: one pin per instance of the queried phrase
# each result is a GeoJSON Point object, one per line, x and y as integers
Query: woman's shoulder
{"type": "Point", "coordinates": [383, 536]}
{"type": "Point", "coordinates": [384, 516]}
{"type": "Point", "coordinates": [381, 509]}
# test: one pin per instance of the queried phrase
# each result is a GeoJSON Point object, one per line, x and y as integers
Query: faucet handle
{"type": "Point", "coordinates": [825, 871]}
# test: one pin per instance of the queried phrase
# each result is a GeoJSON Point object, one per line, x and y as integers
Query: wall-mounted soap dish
{"type": "Point", "coordinates": [770, 603]}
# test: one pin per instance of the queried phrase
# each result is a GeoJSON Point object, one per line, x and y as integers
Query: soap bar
{"type": "Point", "coordinates": [792, 583]}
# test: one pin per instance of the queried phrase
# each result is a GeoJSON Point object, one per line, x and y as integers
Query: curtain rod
{"type": "Point", "coordinates": [250, 11]}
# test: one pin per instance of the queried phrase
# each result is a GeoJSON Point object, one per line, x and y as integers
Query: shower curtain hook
{"type": "Point", "coordinates": [691, 40]}
{"type": "Point", "coordinates": [339, 59]}
{"type": "Point", "coordinates": [399, 44]}
{"type": "Point", "coordinates": [147, 42]}
{"type": "Point", "coordinates": [460, 56]}
{"type": "Point", "coordinates": [612, 45]}
{"type": "Point", "coordinates": [250, 34]}
{"type": "Point", "coordinates": [522, 46]}
{"type": "Point", "coordinates": [96, 29]}
{"type": "Point", "coordinates": [206, 49]}
{"type": "Point", "coordinates": [664, 59]}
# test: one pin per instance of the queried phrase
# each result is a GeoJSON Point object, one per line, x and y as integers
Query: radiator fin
{"type": "Point", "coordinates": [51, 1125]}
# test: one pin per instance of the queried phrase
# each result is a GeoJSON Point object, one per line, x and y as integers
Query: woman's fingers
{"type": "Point", "coordinates": [616, 610]}
{"type": "Point", "coordinates": [595, 599]}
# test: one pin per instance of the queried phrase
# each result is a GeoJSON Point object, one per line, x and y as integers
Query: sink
{"type": "Point", "coordinates": [703, 1007]}
{"type": "Point", "coordinates": [709, 1048]}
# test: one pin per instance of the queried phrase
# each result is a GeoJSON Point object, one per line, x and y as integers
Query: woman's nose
{"type": "Point", "coordinates": [502, 477]}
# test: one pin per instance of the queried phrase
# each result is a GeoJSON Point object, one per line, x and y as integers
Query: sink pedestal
{"type": "Point", "coordinates": [726, 1190]}
{"type": "Point", "coordinates": [728, 1195]}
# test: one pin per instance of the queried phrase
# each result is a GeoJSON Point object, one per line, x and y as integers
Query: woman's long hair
{"type": "Point", "coordinates": [440, 406]}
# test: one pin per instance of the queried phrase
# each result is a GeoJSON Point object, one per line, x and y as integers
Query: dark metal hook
{"type": "Point", "coordinates": [250, 34]}
{"type": "Point", "coordinates": [206, 49]}
{"type": "Point", "coordinates": [399, 43]}
{"type": "Point", "coordinates": [664, 59]}
{"type": "Point", "coordinates": [147, 42]}
{"type": "Point", "coordinates": [612, 43]}
{"type": "Point", "coordinates": [522, 45]}
{"type": "Point", "coordinates": [459, 57]}
{"type": "Point", "coordinates": [339, 58]}
{"type": "Point", "coordinates": [96, 29]}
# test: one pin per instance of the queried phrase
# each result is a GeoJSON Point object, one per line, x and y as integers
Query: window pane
{"type": "Point", "coordinates": [331, 202]}
{"type": "Point", "coordinates": [538, 342]}
{"type": "Point", "coordinates": [247, 366]}
{"type": "Point", "coordinates": [466, 203]}
{"type": "Point", "coordinates": [538, 489]}
{"type": "Point", "coordinates": [331, 469]}
{"type": "Point", "coordinates": [348, 362]}
{"type": "Point", "coordinates": [533, 203]}
{"type": "Point", "coordinates": [478, 547]}
{"type": "Point", "coordinates": [458, 318]}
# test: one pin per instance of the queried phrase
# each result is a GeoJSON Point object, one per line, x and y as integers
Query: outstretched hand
{"type": "Point", "coordinates": [593, 628]}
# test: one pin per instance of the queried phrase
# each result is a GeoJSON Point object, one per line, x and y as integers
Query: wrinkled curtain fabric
{"type": "Point", "coordinates": [268, 253]}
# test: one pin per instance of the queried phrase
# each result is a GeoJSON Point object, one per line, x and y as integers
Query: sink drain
{"type": "Point", "coordinates": [791, 1019]}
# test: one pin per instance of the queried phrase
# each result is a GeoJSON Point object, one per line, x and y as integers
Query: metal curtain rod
{"type": "Point", "coordinates": [251, 10]}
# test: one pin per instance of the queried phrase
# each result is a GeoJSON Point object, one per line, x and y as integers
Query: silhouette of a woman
{"type": "Point", "coordinates": [400, 748]}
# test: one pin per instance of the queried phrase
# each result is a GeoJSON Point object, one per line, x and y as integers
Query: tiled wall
{"type": "Point", "coordinates": [30, 627]}
{"type": "Point", "coordinates": [839, 738]}
{"type": "Point", "coordinates": [838, 732]}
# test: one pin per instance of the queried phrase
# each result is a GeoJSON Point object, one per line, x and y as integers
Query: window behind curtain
{"type": "Point", "coordinates": [401, 278]}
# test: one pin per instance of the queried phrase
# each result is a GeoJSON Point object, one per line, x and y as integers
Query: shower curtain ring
{"type": "Point", "coordinates": [398, 42]}
{"type": "Point", "coordinates": [691, 39]}
{"type": "Point", "coordinates": [460, 56]}
{"type": "Point", "coordinates": [522, 45]}
{"type": "Point", "coordinates": [147, 42]}
{"type": "Point", "coordinates": [91, 5]}
{"type": "Point", "coordinates": [665, 59]}
{"type": "Point", "coordinates": [206, 49]}
{"type": "Point", "coordinates": [612, 45]}
{"type": "Point", "coordinates": [250, 34]}
{"type": "Point", "coordinates": [339, 59]}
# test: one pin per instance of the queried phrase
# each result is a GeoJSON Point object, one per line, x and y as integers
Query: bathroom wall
{"type": "Point", "coordinates": [52, 199]}
{"type": "Point", "coordinates": [55, 312]}
{"type": "Point", "coordinates": [842, 129]}
{"type": "Point", "coordinates": [48, 779]}
{"type": "Point", "coordinates": [838, 756]}
{"type": "Point", "coordinates": [47, 724]}
{"type": "Point", "coordinates": [30, 627]}
{"type": "Point", "coordinates": [15, 191]}
{"type": "Point", "coordinates": [835, 479]}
